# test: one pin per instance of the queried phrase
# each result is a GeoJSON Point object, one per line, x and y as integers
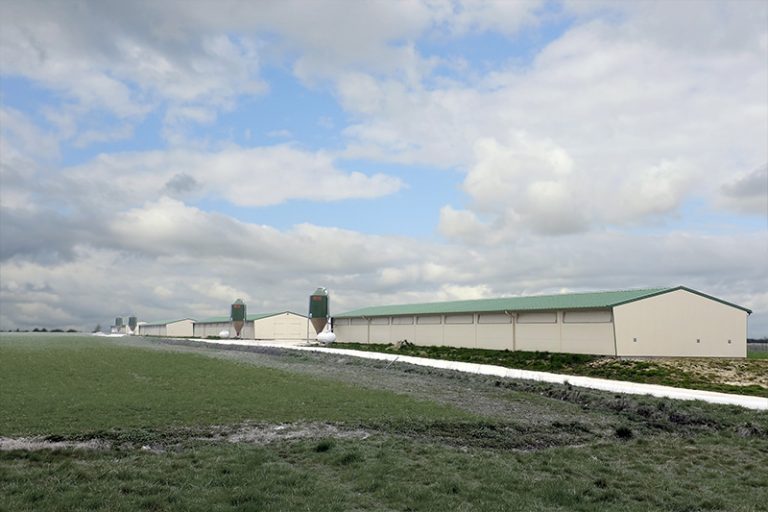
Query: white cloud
{"type": "Point", "coordinates": [640, 123]}
{"type": "Point", "coordinates": [493, 16]}
{"type": "Point", "coordinates": [243, 176]}
{"type": "Point", "coordinates": [117, 59]}
{"type": "Point", "coordinates": [166, 260]}
{"type": "Point", "coordinates": [24, 149]}
{"type": "Point", "coordinates": [127, 59]}
{"type": "Point", "coordinates": [747, 192]}
{"type": "Point", "coordinates": [655, 190]}
{"type": "Point", "coordinates": [462, 225]}
{"type": "Point", "coordinates": [617, 122]}
{"type": "Point", "coordinates": [523, 185]}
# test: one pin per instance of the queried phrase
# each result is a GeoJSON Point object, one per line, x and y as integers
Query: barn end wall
{"type": "Point", "coordinates": [181, 329]}
{"type": "Point", "coordinates": [680, 324]}
{"type": "Point", "coordinates": [283, 326]}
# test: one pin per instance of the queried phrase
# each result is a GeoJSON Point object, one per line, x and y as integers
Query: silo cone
{"type": "Point", "coordinates": [132, 321]}
{"type": "Point", "coordinates": [318, 309]}
{"type": "Point", "coordinates": [237, 314]}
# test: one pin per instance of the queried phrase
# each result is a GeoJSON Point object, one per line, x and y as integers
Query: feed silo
{"type": "Point", "coordinates": [237, 315]}
{"type": "Point", "coordinates": [318, 309]}
{"type": "Point", "coordinates": [132, 321]}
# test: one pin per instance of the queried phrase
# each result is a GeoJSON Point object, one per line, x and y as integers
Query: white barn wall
{"type": "Point", "coordinates": [246, 332]}
{"type": "Point", "coordinates": [283, 326]}
{"type": "Point", "coordinates": [181, 329]}
{"type": "Point", "coordinates": [152, 330]}
{"type": "Point", "coordinates": [205, 329]}
{"type": "Point", "coordinates": [459, 334]}
{"type": "Point", "coordinates": [587, 332]}
{"type": "Point", "coordinates": [588, 339]}
{"type": "Point", "coordinates": [403, 328]}
{"type": "Point", "coordinates": [352, 333]}
{"type": "Point", "coordinates": [671, 323]}
{"type": "Point", "coordinates": [542, 337]}
{"type": "Point", "coordinates": [498, 331]}
{"type": "Point", "coordinates": [380, 329]}
{"type": "Point", "coordinates": [495, 331]}
{"type": "Point", "coordinates": [429, 330]}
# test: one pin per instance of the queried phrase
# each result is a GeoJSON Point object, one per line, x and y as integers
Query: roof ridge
{"type": "Point", "coordinates": [540, 296]}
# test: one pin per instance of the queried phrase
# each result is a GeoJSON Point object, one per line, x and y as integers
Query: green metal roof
{"type": "Point", "coordinates": [166, 322]}
{"type": "Point", "coordinates": [591, 300]}
{"type": "Point", "coordinates": [249, 318]}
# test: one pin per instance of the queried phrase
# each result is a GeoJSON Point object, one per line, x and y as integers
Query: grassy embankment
{"type": "Point", "coordinates": [162, 419]}
{"type": "Point", "coordinates": [706, 374]}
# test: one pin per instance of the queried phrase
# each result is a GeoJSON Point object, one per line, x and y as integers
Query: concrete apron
{"type": "Point", "coordinates": [614, 386]}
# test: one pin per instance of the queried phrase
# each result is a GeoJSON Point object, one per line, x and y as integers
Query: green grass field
{"type": "Point", "coordinates": [165, 420]}
{"type": "Point", "coordinates": [699, 374]}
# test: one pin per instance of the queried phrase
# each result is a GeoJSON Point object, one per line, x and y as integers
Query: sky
{"type": "Point", "coordinates": [163, 158]}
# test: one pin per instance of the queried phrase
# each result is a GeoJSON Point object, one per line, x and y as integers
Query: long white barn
{"type": "Point", "coordinates": [658, 322]}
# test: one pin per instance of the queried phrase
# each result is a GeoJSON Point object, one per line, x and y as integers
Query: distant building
{"type": "Point", "coordinates": [181, 328]}
{"type": "Point", "coordinates": [666, 322]}
{"type": "Point", "coordinates": [285, 325]}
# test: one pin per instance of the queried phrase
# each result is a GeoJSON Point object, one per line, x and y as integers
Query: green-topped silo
{"type": "Point", "coordinates": [318, 309]}
{"type": "Point", "coordinates": [237, 315]}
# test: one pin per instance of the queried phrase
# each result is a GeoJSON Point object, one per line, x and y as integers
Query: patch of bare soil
{"type": "Point", "coordinates": [44, 443]}
{"type": "Point", "coordinates": [249, 433]}
{"type": "Point", "coordinates": [723, 371]}
{"type": "Point", "coordinates": [264, 434]}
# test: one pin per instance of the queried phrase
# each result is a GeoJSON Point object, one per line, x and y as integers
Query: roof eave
{"type": "Point", "coordinates": [691, 290]}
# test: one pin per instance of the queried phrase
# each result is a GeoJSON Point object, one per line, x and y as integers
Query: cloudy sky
{"type": "Point", "coordinates": [162, 158]}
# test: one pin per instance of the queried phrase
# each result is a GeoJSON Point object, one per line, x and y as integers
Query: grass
{"type": "Point", "coordinates": [390, 474]}
{"type": "Point", "coordinates": [645, 371]}
{"type": "Point", "coordinates": [78, 384]}
{"type": "Point", "coordinates": [757, 355]}
{"type": "Point", "coordinates": [629, 453]}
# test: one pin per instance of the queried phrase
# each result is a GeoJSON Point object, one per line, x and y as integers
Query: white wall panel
{"type": "Point", "coordinates": [494, 318]}
{"type": "Point", "coordinates": [587, 317]}
{"type": "Point", "coordinates": [496, 336]}
{"type": "Point", "coordinates": [180, 329]}
{"type": "Point", "coordinates": [546, 317]}
{"type": "Point", "coordinates": [538, 337]}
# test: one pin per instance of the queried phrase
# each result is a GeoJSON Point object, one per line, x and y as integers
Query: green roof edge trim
{"type": "Point", "coordinates": [167, 322]}
{"type": "Point", "coordinates": [248, 318]}
{"type": "Point", "coordinates": [565, 301]}
{"type": "Point", "coordinates": [691, 290]}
